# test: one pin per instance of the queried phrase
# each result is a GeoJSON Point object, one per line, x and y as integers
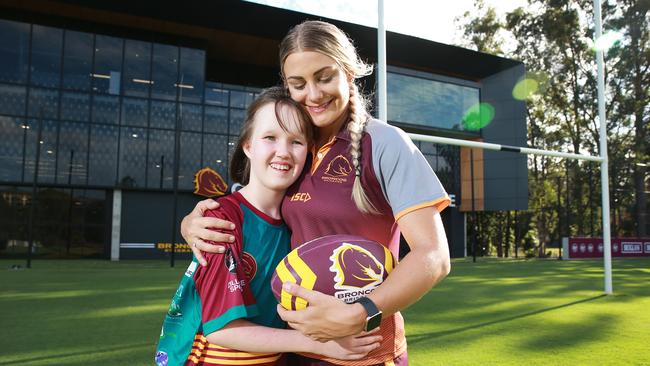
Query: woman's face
{"type": "Point", "coordinates": [276, 156]}
{"type": "Point", "coordinates": [317, 82]}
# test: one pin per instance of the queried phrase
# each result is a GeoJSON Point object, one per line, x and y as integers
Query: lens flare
{"type": "Point", "coordinates": [607, 40]}
{"type": "Point", "coordinates": [478, 116]}
{"type": "Point", "coordinates": [525, 88]}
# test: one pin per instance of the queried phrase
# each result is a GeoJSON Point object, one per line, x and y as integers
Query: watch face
{"type": "Point", "coordinates": [373, 322]}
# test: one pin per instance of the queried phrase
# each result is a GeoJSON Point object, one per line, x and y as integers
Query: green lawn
{"type": "Point", "coordinates": [488, 313]}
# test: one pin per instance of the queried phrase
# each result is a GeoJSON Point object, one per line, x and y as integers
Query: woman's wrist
{"type": "Point", "coordinates": [358, 316]}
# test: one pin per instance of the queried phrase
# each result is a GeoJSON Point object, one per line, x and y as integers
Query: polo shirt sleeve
{"type": "Point", "coordinates": [223, 288]}
{"type": "Point", "coordinates": [406, 179]}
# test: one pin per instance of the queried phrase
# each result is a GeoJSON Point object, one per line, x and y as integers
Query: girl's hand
{"type": "Point", "coordinates": [352, 347]}
{"type": "Point", "coordinates": [326, 318]}
{"type": "Point", "coordinates": [196, 230]}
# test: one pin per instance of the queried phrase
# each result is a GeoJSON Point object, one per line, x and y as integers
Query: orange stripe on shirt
{"type": "Point", "coordinates": [317, 156]}
{"type": "Point", "coordinates": [440, 203]}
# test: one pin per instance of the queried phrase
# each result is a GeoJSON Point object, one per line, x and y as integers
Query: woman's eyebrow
{"type": "Point", "coordinates": [319, 71]}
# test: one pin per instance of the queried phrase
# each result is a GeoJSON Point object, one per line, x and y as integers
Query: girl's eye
{"type": "Point", "coordinates": [298, 142]}
{"type": "Point", "coordinates": [269, 137]}
{"type": "Point", "coordinates": [326, 79]}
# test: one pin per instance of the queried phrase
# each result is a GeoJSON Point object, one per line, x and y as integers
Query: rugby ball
{"type": "Point", "coordinates": [344, 266]}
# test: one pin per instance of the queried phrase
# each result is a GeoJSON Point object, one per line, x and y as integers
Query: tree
{"type": "Point", "coordinates": [481, 32]}
{"type": "Point", "coordinates": [554, 39]}
{"type": "Point", "coordinates": [632, 76]}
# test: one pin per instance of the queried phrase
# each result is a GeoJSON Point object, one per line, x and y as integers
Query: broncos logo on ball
{"type": "Point", "coordinates": [355, 267]}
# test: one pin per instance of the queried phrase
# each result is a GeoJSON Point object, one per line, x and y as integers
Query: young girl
{"type": "Point", "coordinates": [364, 178]}
{"type": "Point", "coordinates": [225, 314]}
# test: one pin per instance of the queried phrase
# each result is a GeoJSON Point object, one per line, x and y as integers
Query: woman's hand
{"type": "Point", "coordinates": [326, 318]}
{"type": "Point", "coordinates": [353, 347]}
{"type": "Point", "coordinates": [196, 230]}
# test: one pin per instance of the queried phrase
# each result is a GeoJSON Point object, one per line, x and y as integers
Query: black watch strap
{"type": "Point", "coordinates": [373, 319]}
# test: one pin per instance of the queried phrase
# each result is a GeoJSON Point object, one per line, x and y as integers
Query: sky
{"type": "Point", "coordinates": [428, 19]}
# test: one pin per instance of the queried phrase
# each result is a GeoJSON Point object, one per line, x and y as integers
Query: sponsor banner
{"type": "Point", "coordinates": [575, 248]}
{"type": "Point", "coordinates": [154, 250]}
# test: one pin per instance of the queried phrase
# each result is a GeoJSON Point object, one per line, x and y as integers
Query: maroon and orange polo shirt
{"type": "Point", "coordinates": [397, 179]}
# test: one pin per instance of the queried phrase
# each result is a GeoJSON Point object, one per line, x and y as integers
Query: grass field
{"type": "Point", "coordinates": [489, 313]}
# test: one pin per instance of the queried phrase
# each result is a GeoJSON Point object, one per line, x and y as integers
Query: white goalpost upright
{"type": "Point", "coordinates": [604, 165]}
{"type": "Point", "coordinates": [602, 158]}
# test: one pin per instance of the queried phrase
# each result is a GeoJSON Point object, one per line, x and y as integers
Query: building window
{"type": "Point", "coordinates": [75, 106]}
{"type": "Point", "coordinates": [215, 94]}
{"type": "Point", "coordinates": [190, 161]}
{"type": "Point", "coordinates": [47, 46]}
{"type": "Point", "coordinates": [102, 163]}
{"type": "Point", "coordinates": [72, 165]}
{"type": "Point", "coordinates": [48, 151]}
{"type": "Point", "coordinates": [12, 131]}
{"type": "Point", "coordinates": [14, 51]}
{"type": "Point", "coordinates": [43, 103]}
{"type": "Point", "coordinates": [215, 154]}
{"type": "Point", "coordinates": [191, 116]}
{"type": "Point", "coordinates": [430, 103]}
{"type": "Point", "coordinates": [106, 109]}
{"type": "Point", "coordinates": [95, 93]}
{"type": "Point", "coordinates": [163, 114]}
{"type": "Point", "coordinates": [192, 74]}
{"type": "Point", "coordinates": [12, 99]}
{"type": "Point", "coordinates": [77, 60]}
{"type": "Point", "coordinates": [237, 117]}
{"type": "Point", "coordinates": [108, 65]}
{"type": "Point", "coordinates": [160, 165]}
{"type": "Point", "coordinates": [137, 68]}
{"type": "Point", "coordinates": [216, 120]}
{"type": "Point", "coordinates": [133, 157]}
{"type": "Point", "coordinates": [135, 112]}
{"type": "Point", "coordinates": [165, 72]}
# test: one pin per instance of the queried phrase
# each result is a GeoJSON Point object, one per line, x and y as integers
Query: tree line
{"type": "Point", "coordinates": [555, 41]}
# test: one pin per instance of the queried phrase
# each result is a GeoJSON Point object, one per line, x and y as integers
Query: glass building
{"type": "Point", "coordinates": [97, 112]}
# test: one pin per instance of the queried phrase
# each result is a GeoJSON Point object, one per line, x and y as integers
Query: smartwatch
{"type": "Point", "coordinates": [374, 315]}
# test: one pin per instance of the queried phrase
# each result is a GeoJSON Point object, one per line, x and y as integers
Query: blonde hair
{"type": "Point", "coordinates": [329, 40]}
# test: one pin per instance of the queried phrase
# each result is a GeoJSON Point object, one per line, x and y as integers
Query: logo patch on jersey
{"type": "Point", "coordinates": [235, 285]}
{"type": "Point", "coordinates": [229, 261]}
{"type": "Point", "coordinates": [357, 272]}
{"type": "Point", "coordinates": [249, 265]}
{"type": "Point", "coordinates": [174, 310]}
{"type": "Point", "coordinates": [161, 358]}
{"type": "Point", "coordinates": [302, 197]}
{"type": "Point", "coordinates": [338, 170]}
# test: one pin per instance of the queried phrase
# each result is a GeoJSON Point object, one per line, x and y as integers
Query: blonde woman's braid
{"type": "Point", "coordinates": [358, 119]}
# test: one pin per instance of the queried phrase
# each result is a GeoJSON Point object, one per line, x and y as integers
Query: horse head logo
{"type": "Point", "coordinates": [355, 267]}
{"type": "Point", "coordinates": [208, 183]}
{"type": "Point", "coordinates": [338, 167]}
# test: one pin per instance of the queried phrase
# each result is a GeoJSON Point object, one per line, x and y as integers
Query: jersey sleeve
{"type": "Point", "coordinates": [222, 286]}
{"type": "Point", "coordinates": [406, 179]}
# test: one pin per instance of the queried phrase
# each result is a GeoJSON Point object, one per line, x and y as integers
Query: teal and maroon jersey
{"type": "Point", "coordinates": [235, 285]}
{"type": "Point", "coordinates": [396, 178]}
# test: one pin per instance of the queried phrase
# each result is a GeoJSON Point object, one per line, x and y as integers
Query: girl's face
{"type": "Point", "coordinates": [317, 82]}
{"type": "Point", "coordinates": [276, 156]}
